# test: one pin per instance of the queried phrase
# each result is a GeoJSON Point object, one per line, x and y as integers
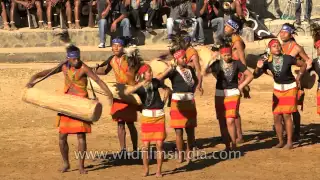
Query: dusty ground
{"type": "Point", "coordinates": [29, 139]}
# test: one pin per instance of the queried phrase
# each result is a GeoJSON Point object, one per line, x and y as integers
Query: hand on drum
{"type": "Point", "coordinates": [260, 63]}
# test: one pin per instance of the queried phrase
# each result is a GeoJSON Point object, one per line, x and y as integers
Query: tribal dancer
{"type": "Point", "coordinates": [76, 74]}
{"type": "Point", "coordinates": [315, 28]}
{"type": "Point", "coordinates": [183, 41]}
{"type": "Point", "coordinates": [183, 111]}
{"type": "Point", "coordinates": [153, 115]}
{"type": "Point", "coordinates": [228, 89]}
{"type": "Point", "coordinates": [285, 88]}
{"type": "Point", "coordinates": [124, 69]}
{"type": "Point", "coordinates": [231, 30]}
{"type": "Point", "coordinates": [292, 48]}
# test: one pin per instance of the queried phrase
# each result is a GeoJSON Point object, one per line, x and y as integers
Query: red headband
{"type": "Point", "coordinates": [178, 54]}
{"type": "Point", "coordinates": [144, 68]}
{"type": "Point", "coordinates": [273, 41]}
{"type": "Point", "coordinates": [225, 50]}
{"type": "Point", "coordinates": [317, 44]}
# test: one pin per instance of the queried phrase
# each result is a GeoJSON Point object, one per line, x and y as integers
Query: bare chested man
{"type": "Point", "coordinates": [67, 4]}
{"type": "Point", "coordinates": [28, 4]}
{"type": "Point", "coordinates": [123, 113]}
{"type": "Point", "coordinates": [292, 48]}
{"type": "Point", "coordinates": [76, 75]}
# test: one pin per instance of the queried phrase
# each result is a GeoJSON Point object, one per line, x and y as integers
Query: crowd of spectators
{"type": "Point", "coordinates": [122, 16]}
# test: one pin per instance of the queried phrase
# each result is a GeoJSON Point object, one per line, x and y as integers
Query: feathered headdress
{"type": "Point", "coordinates": [180, 41]}
{"type": "Point", "coordinates": [134, 58]}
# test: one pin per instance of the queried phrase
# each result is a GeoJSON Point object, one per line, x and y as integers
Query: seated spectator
{"type": "Point", "coordinates": [143, 13]}
{"type": "Point", "coordinates": [209, 10]}
{"type": "Point", "coordinates": [104, 7]}
{"type": "Point", "coordinates": [4, 16]}
{"type": "Point", "coordinates": [28, 4]}
{"type": "Point", "coordinates": [119, 18]}
{"type": "Point", "coordinates": [179, 11]}
{"type": "Point", "coordinates": [67, 4]}
{"type": "Point", "coordinates": [240, 6]}
{"type": "Point", "coordinates": [92, 11]}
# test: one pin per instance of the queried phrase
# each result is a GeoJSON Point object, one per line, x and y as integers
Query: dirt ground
{"type": "Point", "coordinates": [29, 138]}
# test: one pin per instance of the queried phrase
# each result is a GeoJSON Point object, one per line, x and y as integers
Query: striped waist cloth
{"type": "Point", "coordinates": [284, 87]}
{"type": "Point", "coordinates": [227, 92]}
{"type": "Point", "coordinates": [182, 96]}
{"type": "Point", "coordinates": [153, 112]}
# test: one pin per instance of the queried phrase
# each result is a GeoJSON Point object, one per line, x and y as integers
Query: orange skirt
{"type": "Point", "coordinates": [227, 107]}
{"type": "Point", "coordinates": [318, 101]}
{"type": "Point", "coordinates": [284, 102]}
{"type": "Point", "coordinates": [124, 112]}
{"type": "Point", "coordinates": [183, 114]}
{"type": "Point", "coordinates": [153, 128]}
{"type": "Point", "coordinates": [70, 125]}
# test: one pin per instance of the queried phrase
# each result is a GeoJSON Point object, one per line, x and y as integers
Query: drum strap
{"type": "Point", "coordinates": [51, 72]}
{"type": "Point", "coordinates": [93, 93]}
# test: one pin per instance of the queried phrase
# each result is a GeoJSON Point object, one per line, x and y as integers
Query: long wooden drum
{"type": "Point", "coordinates": [206, 55]}
{"type": "Point", "coordinates": [158, 66]}
{"type": "Point", "coordinates": [307, 80]}
{"type": "Point", "coordinates": [117, 92]}
{"type": "Point", "coordinates": [74, 106]}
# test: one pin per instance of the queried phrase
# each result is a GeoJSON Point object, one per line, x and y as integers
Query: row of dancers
{"type": "Point", "coordinates": [185, 75]}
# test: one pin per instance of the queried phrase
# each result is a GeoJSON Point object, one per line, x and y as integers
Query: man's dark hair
{"type": "Point", "coordinates": [72, 48]}
{"type": "Point", "coordinates": [224, 45]}
{"type": "Point", "coordinates": [315, 31]}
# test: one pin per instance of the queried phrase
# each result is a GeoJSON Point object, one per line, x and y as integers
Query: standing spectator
{"type": "Point", "coordinates": [28, 5]}
{"type": "Point", "coordinates": [307, 15]}
{"type": "Point", "coordinates": [104, 7]}
{"type": "Point", "coordinates": [4, 16]}
{"type": "Point", "coordinates": [178, 12]}
{"type": "Point", "coordinates": [119, 17]}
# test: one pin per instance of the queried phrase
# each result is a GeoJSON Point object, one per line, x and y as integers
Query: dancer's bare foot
{"type": "Point", "coordinates": [145, 173]}
{"type": "Point", "coordinates": [70, 25]}
{"type": "Point", "coordinates": [280, 145]}
{"type": "Point", "coordinates": [240, 141]}
{"type": "Point", "coordinates": [65, 168]}
{"type": "Point", "coordinates": [82, 170]}
{"type": "Point", "coordinates": [288, 146]}
{"type": "Point", "coordinates": [159, 175]}
{"type": "Point", "coordinates": [13, 26]}
{"type": "Point", "coordinates": [233, 147]}
{"type": "Point", "coordinates": [49, 26]}
{"type": "Point", "coordinates": [6, 26]}
{"type": "Point", "coordinates": [41, 25]}
{"type": "Point", "coordinates": [77, 26]}
{"type": "Point", "coordinates": [180, 159]}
